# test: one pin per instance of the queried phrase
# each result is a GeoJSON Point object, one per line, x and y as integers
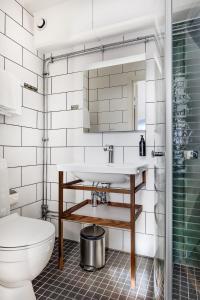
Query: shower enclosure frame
{"type": "Point", "coordinates": [169, 156]}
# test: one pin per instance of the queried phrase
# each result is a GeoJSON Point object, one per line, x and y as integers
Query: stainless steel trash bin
{"type": "Point", "coordinates": [92, 248]}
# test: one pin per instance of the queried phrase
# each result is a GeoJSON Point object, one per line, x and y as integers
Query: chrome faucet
{"type": "Point", "coordinates": [110, 149]}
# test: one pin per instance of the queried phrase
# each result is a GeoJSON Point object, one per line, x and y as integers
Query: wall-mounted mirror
{"type": "Point", "coordinates": [115, 96]}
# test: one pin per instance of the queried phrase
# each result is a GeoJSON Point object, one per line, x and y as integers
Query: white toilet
{"type": "Point", "coordinates": [26, 246]}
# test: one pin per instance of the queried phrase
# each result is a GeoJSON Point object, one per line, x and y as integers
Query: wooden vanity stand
{"type": "Point", "coordinates": [69, 214]}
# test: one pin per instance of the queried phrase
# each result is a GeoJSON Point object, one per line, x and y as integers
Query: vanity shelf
{"type": "Point", "coordinates": [114, 214]}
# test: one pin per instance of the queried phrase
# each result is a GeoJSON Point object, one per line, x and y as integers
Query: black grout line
{"type": "Point", "coordinates": [184, 276]}
{"type": "Point", "coordinates": [26, 166]}
{"type": "Point", "coordinates": [10, 60]}
{"type": "Point", "coordinates": [4, 23]}
{"type": "Point", "coordinates": [111, 281]}
{"type": "Point", "coordinates": [23, 8]}
{"type": "Point", "coordinates": [37, 81]}
{"type": "Point", "coordinates": [21, 174]}
{"type": "Point", "coordinates": [10, 16]}
{"type": "Point", "coordinates": [21, 25]}
{"type": "Point", "coordinates": [21, 65]}
{"type": "Point", "coordinates": [23, 17]}
{"type": "Point", "coordinates": [18, 42]}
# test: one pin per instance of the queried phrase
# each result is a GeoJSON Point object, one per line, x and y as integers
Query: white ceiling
{"type": "Point", "coordinates": [37, 5]}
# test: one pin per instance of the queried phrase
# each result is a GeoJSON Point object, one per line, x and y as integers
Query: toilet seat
{"type": "Point", "coordinates": [24, 248]}
{"type": "Point", "coordinates": [20, 233]}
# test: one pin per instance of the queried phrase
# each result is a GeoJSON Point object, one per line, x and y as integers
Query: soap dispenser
{"type": "Point", "coordinates": [142, 146]}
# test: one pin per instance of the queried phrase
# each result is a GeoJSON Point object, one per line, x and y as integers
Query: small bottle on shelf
{"type": "Point", "coordinates": [142, 147]}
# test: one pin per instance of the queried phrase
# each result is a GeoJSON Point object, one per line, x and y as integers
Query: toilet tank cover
{"type": "Point", "coordinates": [17, 231]}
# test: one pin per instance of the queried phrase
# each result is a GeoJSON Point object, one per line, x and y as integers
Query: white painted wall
{"type": "Point", "coordinates": [36, 5]}
{"type": "Point", "coordinates": [21, 136]}
{"type": "Point", "coordinates": [77, 21]}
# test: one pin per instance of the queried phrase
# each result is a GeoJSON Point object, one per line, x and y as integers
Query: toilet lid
{"type": "Point", "coordinates": [17, 231]}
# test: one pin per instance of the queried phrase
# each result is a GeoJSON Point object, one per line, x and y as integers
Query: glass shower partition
{"type": "Point", "coordinates": [186, 151]}
{"type": "Point", "coordinates": [186, 143]}
{"type": "Point", "coordinates": [159, 185]}
{"type": "Point", "coordinates": [157, 85]}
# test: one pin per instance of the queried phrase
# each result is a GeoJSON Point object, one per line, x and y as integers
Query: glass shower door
{"type": "Point", "coordinates": [186, 103]}
{"type": "Point", "coordinates": [186, 152]}
{"type": "Point", "coordinates": [159, 185]}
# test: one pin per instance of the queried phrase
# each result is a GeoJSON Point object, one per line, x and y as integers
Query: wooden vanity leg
{"type": "Point", "coordinates": [60, 223]}
{"type": "Point", "coordinates": [132, 231]}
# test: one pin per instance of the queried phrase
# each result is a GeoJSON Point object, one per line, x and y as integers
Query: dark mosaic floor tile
{"type": "Point", "coordinates": [110, 283]}
{"type": "Point", "coordinates": [185, 283]}
{"type": "Point", "coordinates": [104, 298]}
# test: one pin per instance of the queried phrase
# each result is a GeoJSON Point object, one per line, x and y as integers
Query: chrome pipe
{"type": "Point", "coordinates": [45, 138]}
{"type": "Point", "coordinates": [101, 48]}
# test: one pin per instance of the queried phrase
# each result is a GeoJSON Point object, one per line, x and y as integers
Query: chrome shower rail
{"type": "Point", "coordinates": [101, 48]}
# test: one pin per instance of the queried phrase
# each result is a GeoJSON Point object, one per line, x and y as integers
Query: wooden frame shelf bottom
{"type": "Point", "coordinates": [70, 215]}
{"type": "Point", "coordinates": [77, 213]}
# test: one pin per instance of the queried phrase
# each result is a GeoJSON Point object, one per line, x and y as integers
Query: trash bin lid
{"type": "Point", "coordinates": [92, 232]}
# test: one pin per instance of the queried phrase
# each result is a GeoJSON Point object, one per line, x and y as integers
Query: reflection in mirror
{"type": "Point", "coordinates": [115, 98]}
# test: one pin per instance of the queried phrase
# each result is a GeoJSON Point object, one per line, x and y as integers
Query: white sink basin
{"type": "Point", "coordinates": [104, 173]}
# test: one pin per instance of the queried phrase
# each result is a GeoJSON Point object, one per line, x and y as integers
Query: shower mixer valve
{"type": "Point", "coordinates": [191, 154]}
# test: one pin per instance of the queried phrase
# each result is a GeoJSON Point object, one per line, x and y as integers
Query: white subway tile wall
{"type": "Point", "coordinates": [21, 136]}
{"type": "Point", "coordinates": [28, 21]}
{"type": "Point", "coordinates": [67, 90]}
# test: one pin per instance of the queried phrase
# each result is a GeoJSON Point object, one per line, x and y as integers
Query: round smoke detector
{"type": "Point", "coordinates": [41, 23]}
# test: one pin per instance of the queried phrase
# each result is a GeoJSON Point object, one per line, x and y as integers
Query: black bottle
{"type": "Point", "coordinates": [142, 146]}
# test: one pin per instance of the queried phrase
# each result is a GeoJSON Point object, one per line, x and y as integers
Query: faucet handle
{"type": "Point", "coordinates": [108, 147]}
